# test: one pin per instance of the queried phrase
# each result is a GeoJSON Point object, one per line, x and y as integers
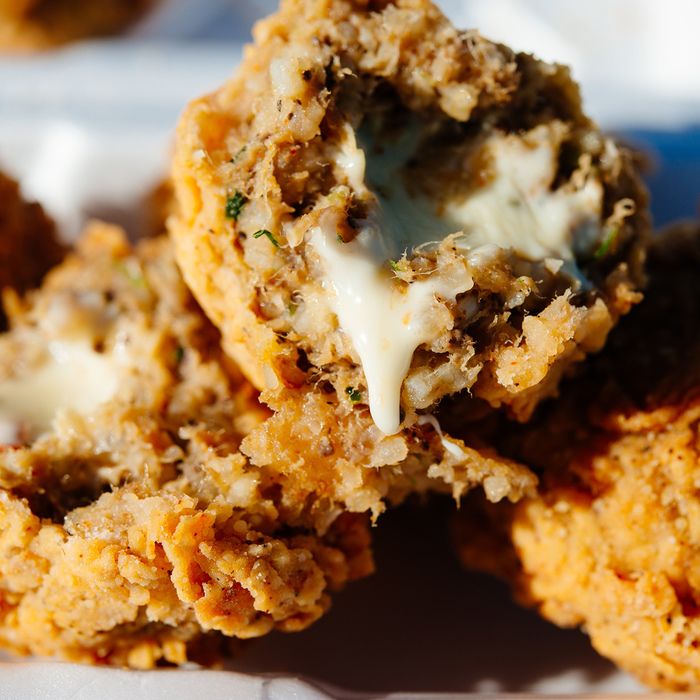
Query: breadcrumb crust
{"type": "Point", "coordinates": [611, 541]}
{"type": "Point", "coordinates": [267, 140]}
{"type": "Point", "coordinates": [139, 535]}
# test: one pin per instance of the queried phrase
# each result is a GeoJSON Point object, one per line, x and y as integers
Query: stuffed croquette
{"type": "Point", "coordinates": [611, 542]}
{"type": "Point", "coordinates": [134, 532]}
{"type": "Point", "coordinates": [395, 211]}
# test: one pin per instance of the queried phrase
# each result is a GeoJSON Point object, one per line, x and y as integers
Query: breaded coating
{"type": "Point", "coordinates": [28, 242]}
{"type": "Point", "coordinates": [396, 211]}
{"type": "Point", "coordinates": [134, 532]}
{"type": "Point", "coordinates": [612, 541]}
{"type": "Point", "coordinates": [331, 465]}
{"type": "Point", "coordinates": [32, 25]}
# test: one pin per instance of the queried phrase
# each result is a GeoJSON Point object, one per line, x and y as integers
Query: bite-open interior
{"type": "Point", "coordinates": [417, 230]}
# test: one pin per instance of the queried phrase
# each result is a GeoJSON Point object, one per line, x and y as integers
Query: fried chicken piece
{"type": "Point", "coordinates": [31, 25]}
{"type": "Point", "coordinates": [134, 531]}
{"type": "Point", "coordinates": [611, 543]}
{"type": "Point", "coordinates": [28, 242]}
{"type": "Point", "coordinates": [401, 211]}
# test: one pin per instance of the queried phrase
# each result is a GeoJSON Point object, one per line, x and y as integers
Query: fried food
{"type": "Point", "coordinates": [28, 242]}
{"type": "Point", "coordinates": [611, 543]}
{"type": "Point", "coordinates": [30, 25]}
{"type": "Point", "coordinates": [134, 532]}
{"type": "Point", "coordinates": [401, 211]}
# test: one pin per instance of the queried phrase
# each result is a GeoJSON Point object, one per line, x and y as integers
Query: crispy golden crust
{"type": "Point", "coordinates": [261, 154]}
{"type": "Point", "coordinates": [137, 534]}
{"type": "Point", "coordinates": [332, 461]}
{"type": "Point", "coordinates": [30, 25]}
{"type": "Point", "coordinates": [138, 579]}
{"type": "Point", "coordinates": [28, 243]}
{"type": "Point", "coordinates": [271, 137]}
{"type": "Point", "coordinates": [611, 543]}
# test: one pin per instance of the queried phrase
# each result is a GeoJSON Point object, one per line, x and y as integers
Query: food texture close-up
{"type": "Point", "coordinates": [378, 202]}
{"type": "Point", "coordinates": [349, 348]}
{"type": "Point", "coordinates": [611, 540]}
{"type": "Point", "coordinates": [134, 531]}
{"type": "Point", "coordinates": [380, 211]}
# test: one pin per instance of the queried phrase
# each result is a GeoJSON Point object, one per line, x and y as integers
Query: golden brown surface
{"type": "Point", "coordinates": [28, 243]}
{"type": "Point", "coordinates": [271, 138]}
{"type": "Point", "coordinates": [261, 154]}
{"type": "Point", "coordinates": [136, 533]}
{"type": "Point", "coordinates": [30, 25]}
{"type": "Point", "coordinates": [612, 543]}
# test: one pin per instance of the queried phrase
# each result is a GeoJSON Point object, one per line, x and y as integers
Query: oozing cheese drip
{"type": "Point", "coordinates": [448, 445]}
{"type": "Point", "coordinates": [516, 209]}
{"type": "Point", "coordinates": [75, 377]}
{"type": "Point", "coordinates": [385, 322]}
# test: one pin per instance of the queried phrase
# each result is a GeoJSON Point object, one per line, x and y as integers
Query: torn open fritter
{"type": "Point", "coordinates": [384, 210]}
{"type": "Point", "coordinates": [134, 532]}
{"type": "Point", "coordinates": [612, 541]}
{"type": "Point", "coordinates": [27, 25]}
{"type": "Point", "coordinates": [28, 242]}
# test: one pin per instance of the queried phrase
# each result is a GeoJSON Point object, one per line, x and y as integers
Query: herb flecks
{"type": "Point", "coordinates": [235, 204]}
{"type": "Point", "coordinates": [268, 234]}
{"type": "Point", "coordinates": [355, 395]}
{"type": "Point", "coordinates": [133, 272]}
{"type": "Point", "coordinates": [401, 267]}
{"type": "Point", "coordinates": [179, 354]}
{"type": "Point", "coordinates": [608, 243]}
{"type": "Point", "coordinates": [241, 151]}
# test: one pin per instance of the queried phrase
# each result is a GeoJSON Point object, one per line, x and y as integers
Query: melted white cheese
{"type": "Point", "coordinates": [352, 160]}
{"type": "Point", "coordinates": [448, 445]}
{"type": "Point", "coordinates": [385, 319]}
{"type": "Point", "coordinates": [516, 209]}
{"type": "Point", "coordinates": [74, 377]}
{"type": "Point", "coordinates": [9, 432]}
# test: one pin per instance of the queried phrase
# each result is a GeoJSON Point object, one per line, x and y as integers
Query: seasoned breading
{"type": "Point", "coordinates": [28, 243]}
{"type": "Point", "coordinates": [611, 541]}
{"type": "Point", "coordinates": [134, 532]}
{"type": "Point", "coordinates": [30, 25]}
{"type": "Point", "coordinates": [332, 464]}
{"type": "Point", "coordinates": [379, 211]}
{"type": "Point", "coordinates": [345, 119]}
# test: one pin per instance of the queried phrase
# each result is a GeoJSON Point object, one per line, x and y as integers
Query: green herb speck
{"type": "Point", "coordinates": [179, 354]}
{"type": "Point", "coordinates": [608, 243]}
{"type": "Point", "coordinates": [133, 273]}
{"type": "Point", "coordinates": [265, 232]}
{"type": "Point", "coordinates": [235, 204]}
{"type": "Point", "coordinates": [354, 395]}
{"type": "Point", "coordinates": [241, 151]}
